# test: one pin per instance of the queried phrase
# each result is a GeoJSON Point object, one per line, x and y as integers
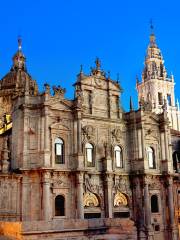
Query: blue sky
{"type": "Point", "coordinates": [60, 35]}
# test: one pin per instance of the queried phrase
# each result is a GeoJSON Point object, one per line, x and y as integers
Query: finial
{"type": "Point", "coordinates": [98, 63]}
{"type": "Point", "coordinates": [152, 36]}
{"type": "Point", "coordinates": [177, 105]}
{"type": "Point", "coordinates": [19, 43]}
{"type": "Point", "coordinates": [131, 104]}
{"type": "Point", "coordinates": [151, 26]}
{"type": "Point", "coordinates": [109, 74]}
{"type": "Point", "coordinates": [81, 68]}
{"type": "Point", "coordinates": [117, 77]}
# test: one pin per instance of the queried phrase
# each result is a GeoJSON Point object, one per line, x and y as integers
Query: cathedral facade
{"type": "Point", "coordinates": [84, 168]}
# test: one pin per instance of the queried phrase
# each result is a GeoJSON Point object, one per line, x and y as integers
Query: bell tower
{"type": "Point", "coordinates": [157, 87]}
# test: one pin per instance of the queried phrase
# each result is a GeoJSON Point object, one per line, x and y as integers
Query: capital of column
{"type": "Point", "coordinates": [25, 178]}
{"type": "Point", "coordinates": [46, 177]}
{"type": "Point", "coordinates": [80, 178]}
{"type": "Point", "coordinates": [108, 179]}
{"type": "Point", "coordinates": [169, 181]}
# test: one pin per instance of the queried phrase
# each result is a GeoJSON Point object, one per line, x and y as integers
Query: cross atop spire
{"type": "Point", "coordinates": [152, 36]}
{"type": "Point", "coordinates": [151, 26]}
{"type": "Point", "coordinates": [19, 43]}
{"type": "Point", "coordinates": [98, 63]}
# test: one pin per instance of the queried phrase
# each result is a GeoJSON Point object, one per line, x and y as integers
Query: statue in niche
{"type": "Point", "coordinates": [121, 184]}
{"type": "Point", "coordinates": [90, 186]}
{"type": "Point", "coordinates": [59, 91]}
{"type": "Point", "coordinates": [89, 132]}
{"type": "Point", "coordinates": [117, 134]}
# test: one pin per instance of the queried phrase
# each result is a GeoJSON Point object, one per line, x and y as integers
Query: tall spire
{"type": "Point", "coordinates": [154, 63]}
{"type": "Point", "coordinates": [152, 35]}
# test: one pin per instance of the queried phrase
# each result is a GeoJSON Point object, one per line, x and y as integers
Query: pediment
{"type": "Point", "coordinates": [60, 104]}
{"type": "Point", "coordinates": [59, 126]}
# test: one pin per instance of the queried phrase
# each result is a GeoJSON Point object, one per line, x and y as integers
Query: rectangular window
{"type": "Point", "coordinates": [160, 98]}
{"type": "Point", "coordinates": [169, 99]}
{"type": "Point", "coordinates": [58, 154]}
{"type": "Point", "coordinates": [92, 215]}
{"type": "Point", "coordinates": [121, 215]}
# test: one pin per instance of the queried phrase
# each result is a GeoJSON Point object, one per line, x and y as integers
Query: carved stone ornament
{"type": "Point", "coordinates": [60, 182]}
{"type": "Point", "coordinates": [120, 200]}
{"type": "Point", "coordinates": [117, 134]}
{"type": "Point", "coordinates": [98, 81]}
{"type": "Point", "coordinates": [90, 200]}
{"type": "Point", "coordinates": [89, 132]}
{"type": "Point", "coordinates": [91, 185]}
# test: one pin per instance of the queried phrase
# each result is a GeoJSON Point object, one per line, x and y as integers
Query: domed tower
{"type": "Point", "coordinates": [17, 82]}
{"type": "Point", "coordinates": [157, 88]}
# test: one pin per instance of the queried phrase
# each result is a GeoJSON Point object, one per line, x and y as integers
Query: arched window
{"type": "Point", "coordinates": [59, 206]}
{"type": "Point", "coordinates": [118, 157]}
{"type": "Point", "coordinates": [176, 160]}
{"type": "Point", "coordinates": [59, 151]}
{"type": "Point", "coordinates": [154, 204]}
{"type": "Point", "coordinates": [151, 157]}
{"type": "Point", "coordinates": [89, 154]}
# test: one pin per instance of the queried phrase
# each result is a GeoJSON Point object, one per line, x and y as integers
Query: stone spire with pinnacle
{"type": "Point", "coordinates": [157, 89]}
{"type": "Point", "coordinates": [154, 63]}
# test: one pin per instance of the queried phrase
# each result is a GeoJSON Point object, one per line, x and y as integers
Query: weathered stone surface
{"type": "Point", "coordinates": [63, 161]}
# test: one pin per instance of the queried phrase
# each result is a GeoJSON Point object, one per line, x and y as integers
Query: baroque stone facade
{"type": "Point", "coordinates": [84, 168]}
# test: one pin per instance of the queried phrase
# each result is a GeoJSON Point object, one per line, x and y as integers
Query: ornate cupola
{"type": "Point", "coordinates": [18, 81]}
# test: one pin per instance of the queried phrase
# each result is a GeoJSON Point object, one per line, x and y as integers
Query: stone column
{"type": "Point", "coordinates": [108, 196]}
{"type": "Point", "coordinates": [25, 197]}
{"type": "Point", "coordinates": [79, 134]}
{"type": "Point", "coordinates": [46, 197]}
{"type": "Point", "coordinates": [147, 205]}
{"type": "Point", "coordinates": [170, 201]}
{"type": "Point", "coordinates": [25, 140]}
{"type": "Point", "coordinates": [80, 157]}
{"type": "Point", "coordinates": [80, 205]}
{"type": "Point", "coordinates": [46, 139]}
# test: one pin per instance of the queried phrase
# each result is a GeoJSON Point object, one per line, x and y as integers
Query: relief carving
{"type": "Point", "coordinates": [88, 132]}
{"type": "Point", "coordinates": [122, 185]}
{"type": "Point", "coordinates": [60, 181]}
{"type": "Point", "coordinates": [118, 133]}
{"type": "Point", "coordinates": [91, 185]}
{"type": "Point", "coordinates": [151, 134]}
{"type": "Point", "coordinates": [120, 200]}
{"type": "Point", "coordinates": [90, 200]}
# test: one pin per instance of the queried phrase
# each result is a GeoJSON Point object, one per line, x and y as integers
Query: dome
{"type": "Point", "coordinates": [18, 79]}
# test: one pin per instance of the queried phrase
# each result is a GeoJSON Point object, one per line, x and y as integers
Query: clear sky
{"type": "Point", "coordinates": [60, 35]}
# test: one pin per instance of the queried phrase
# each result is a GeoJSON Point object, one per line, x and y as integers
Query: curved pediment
{"type": "Point", "coordinates": [120, 199]}
{"type": "Point", "coordinates": [90, 200]}
{"type": "Point", "coordinates": [59, 126]}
